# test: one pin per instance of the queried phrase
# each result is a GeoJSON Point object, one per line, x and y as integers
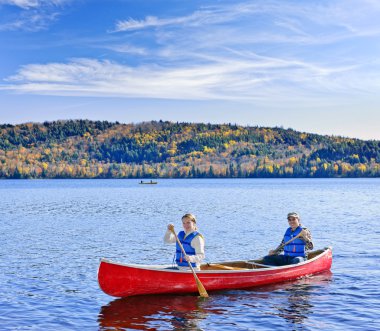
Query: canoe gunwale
{"type": "Point", "coordinates": [170, 269]}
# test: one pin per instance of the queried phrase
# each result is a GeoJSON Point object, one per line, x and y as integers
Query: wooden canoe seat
{"type": "Point", "coordinates": [313, 254]}
{"type": "Point", "coordinates": [216, 266]}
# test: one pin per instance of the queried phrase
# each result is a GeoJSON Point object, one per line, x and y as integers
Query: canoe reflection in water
{"type": "Point", "coordinates": [299, 305]}
{"type": "Point", "coordinates": [291, 301]}
{"type": "Point", "coordinates": [163, 312]}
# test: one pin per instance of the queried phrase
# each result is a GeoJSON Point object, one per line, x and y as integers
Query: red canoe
{"type": "Point", "coordinates": [122, 280]}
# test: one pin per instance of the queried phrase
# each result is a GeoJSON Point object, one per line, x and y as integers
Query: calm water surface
{"type": "Point", "coordinates": [53, 233]}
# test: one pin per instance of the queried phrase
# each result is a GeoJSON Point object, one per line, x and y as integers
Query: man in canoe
{"type": "Point", "coordinates": [295, 244]}
{"type": "Point", "coordinates": [192, 243]}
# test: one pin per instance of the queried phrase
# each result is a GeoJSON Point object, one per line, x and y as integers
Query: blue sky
{"type": "Point", "coordinates": [309, 65]}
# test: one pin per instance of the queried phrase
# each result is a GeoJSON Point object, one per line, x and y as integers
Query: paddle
{"type": "Point", "coordinates": [202, 291]}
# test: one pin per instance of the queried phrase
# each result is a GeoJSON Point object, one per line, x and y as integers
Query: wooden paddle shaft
{"type": "Point", "coordinates": [202, 291]}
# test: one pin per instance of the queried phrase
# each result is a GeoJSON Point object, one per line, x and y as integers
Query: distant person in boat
{"type": "Point", "coordinates": [191, 240]}
{"type": "Point", "coordinates": [295, 251]}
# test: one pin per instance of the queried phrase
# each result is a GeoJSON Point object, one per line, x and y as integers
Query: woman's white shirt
{"type": "Point", "coordinates": [197, 243]}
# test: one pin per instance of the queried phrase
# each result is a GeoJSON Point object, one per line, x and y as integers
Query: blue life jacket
{"type": "Point", "coordinates": [186, 244]}
{"type": "Point", "coordinates": [297, 246]}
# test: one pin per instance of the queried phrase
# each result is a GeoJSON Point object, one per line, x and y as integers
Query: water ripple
{"type": "Point", "coordinates": [54, 232]}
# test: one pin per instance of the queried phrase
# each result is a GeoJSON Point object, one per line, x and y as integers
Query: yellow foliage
{"type": "Point", "coordinates": [26, 170]}
{"type": "Point", "coordinates": [345, 168]}
{"type": "Point", "coordinates": [173, 148]}
{"type": "Point", "coordinates": [149, 171]}
{"type": "Point", "coordinates": [20, 170]}
{"type": "Point", "coordinates": [208, 149]}
{"type": "Point", "coordinates": [269, 168]}
{"type": "Point", "coordinates": [196, 153]}
{"type": "Point", "coordinates": [69, 169]}
{"type": "Point", "coordinates": [293, 160]}
{"type": "Point", "coordinates": [185, 170]}
{"type": "Point", "coordinates": [362, 168]}
{"type": "Point", "coordinates": [289, 170]}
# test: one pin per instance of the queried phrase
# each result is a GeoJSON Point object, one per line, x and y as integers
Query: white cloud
{"type": "Point", "coordinates": [209, 15]}
{"type": "Point", "coordinates": [222, 79]}
{"type": "Point", "coordinates": [202, 58]}
{"type": "Point", "coordinates": [126, 48]}
{"type": "Point", "coordinates": [30, 22]}
{"type": "Point", "coordinates": [293, 22]}
{"type": "Point", "coordinates": [27, 4]}
{"type": "Point", "coordinates": [32, 15]}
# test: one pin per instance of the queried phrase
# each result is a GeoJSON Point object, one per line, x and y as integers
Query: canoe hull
{"type": "Point", "coordinates": [121, 280]}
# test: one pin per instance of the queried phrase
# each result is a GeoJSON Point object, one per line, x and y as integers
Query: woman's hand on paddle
{"type": "Point", "coordinates": [171, 227]}
{"type": "Point", "coordinates": [187, 258]}
{"type": "Point", "coordinates": [272, 252]}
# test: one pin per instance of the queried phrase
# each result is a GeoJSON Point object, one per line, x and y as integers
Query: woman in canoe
{"type": "Point", "coordinates": [295, 250]}
{"type": "Point", "coordinates": [191, 240]}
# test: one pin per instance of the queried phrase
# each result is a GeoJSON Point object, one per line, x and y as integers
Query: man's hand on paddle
{"type": "Point", "coordinates": [303, 235]}
{"type": "Point", "coordinates": [171, 227]}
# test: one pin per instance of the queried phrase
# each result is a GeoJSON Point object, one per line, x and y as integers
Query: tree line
{"type": "Point", "coordinates": [162, 149]}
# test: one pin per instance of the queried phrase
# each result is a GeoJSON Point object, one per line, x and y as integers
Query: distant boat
{"type": "Point", "coordinates": [150, 182]}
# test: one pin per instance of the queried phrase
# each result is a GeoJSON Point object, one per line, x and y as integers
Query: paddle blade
{"type": "Point", "coordinates": [201, 289]}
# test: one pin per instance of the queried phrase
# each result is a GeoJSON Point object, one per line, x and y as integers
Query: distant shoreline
{"type": "Point", "coordinates": [83, 149]}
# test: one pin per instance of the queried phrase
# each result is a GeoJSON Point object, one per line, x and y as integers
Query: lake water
{"type": "Point", "coordinates": [53, 233]}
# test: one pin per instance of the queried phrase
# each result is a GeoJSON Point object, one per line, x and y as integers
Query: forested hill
{"type": "Point", "coordinates": [88, 149]}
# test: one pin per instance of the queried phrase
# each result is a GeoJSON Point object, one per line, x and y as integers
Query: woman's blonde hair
{"type": "Point", "coordinates": [193, 219]}
{"type": "Point", "coordinates": [191, 216]}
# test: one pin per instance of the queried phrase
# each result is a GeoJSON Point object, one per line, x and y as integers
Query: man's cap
{"type": "Point", "coordinates": [295, 215]}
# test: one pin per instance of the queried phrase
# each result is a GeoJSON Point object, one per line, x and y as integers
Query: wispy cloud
{"type": "Point", "coordinates": [200, 17]}
{"type": "Point", "coordinates": [126, 48]}
{"type": "Point", "coordinates": [281, 21]}
{"type": "Point", "coordinates": [242, 51]}
{"type": "Point", "coordinates": [222, 79]}
{"type": "Point", "coordinates": [30, 22]}
{"type": "Point", "coordinates": [150, 21]}
{"type": "Point", "coordinates": [26, 4]}
{"type": "Point", "coordinates": [31, 15]}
